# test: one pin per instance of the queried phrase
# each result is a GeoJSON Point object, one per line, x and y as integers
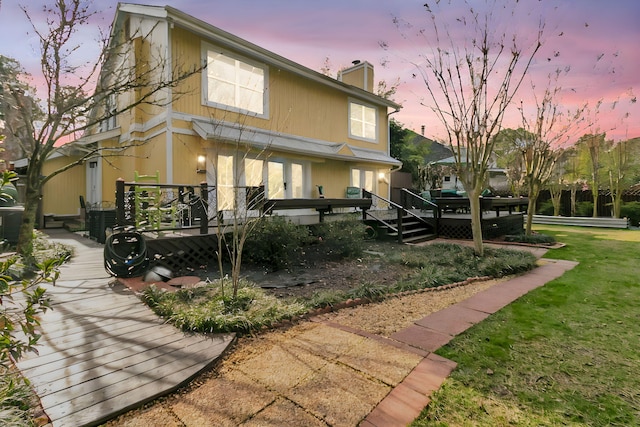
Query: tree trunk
{"type": "Point", "coordinates": [531, 209]}
{"type": "Point", "coordinates": [476, 221]}
{"type": "Point", "coordinates": [595, 194]}
{"type": "Point", "coordinates": [574, 190]}
{"type": "Point", "coordinates": [25, 234]}
{"type": "Point", "coordinates": [556, 198]}
{"type": "Point", "coordinates": [617, 207]}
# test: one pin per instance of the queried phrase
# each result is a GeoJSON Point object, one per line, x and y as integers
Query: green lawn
{"type": "Point", "coordinates": [565, 354]}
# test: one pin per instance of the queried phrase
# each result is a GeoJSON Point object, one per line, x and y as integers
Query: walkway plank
{"type": "Point", "coordinates": [102, 351]}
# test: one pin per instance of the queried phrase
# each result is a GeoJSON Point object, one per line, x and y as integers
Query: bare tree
{"type": "Point", "coordinates": [470, 84]}
{"type": "Point", "coordinates": [543, 135]}
{"type": "Point", "coordinates": [237, 168]}
{"type": "Point", "coordinates": [594, 144]}
{"type": "Point", "coordinates": [16, 95]}
{"type": "Point", "coordinates": [80, 97]}
{"type": "Point", "coordinates": [508, 157]}
{"type": "Point", "coordinates": [623, 167]}
{"type": "Point", "coordinates": [619, 161]}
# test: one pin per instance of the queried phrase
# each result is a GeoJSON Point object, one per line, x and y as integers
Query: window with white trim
{"type": "Point", "coordinates": [110, 108]}
{"type": "Point", "coordinates": [238, 84]}
{"type": "Point", "coordinates": [362, 178]}
{"type": "Point", "coordinates": [363, 121]}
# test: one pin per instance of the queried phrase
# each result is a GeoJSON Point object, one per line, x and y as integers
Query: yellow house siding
{"type": "Point", "coordinates": [297, 106]}
{"type": "Point", "coordinates": [333, 176]}
{"type": "Point", "coordinates": [186, 149]}
{"type": "Point", "coordinates": [62, 192]}
{"type": "Point", "coordinates": [146, 158]}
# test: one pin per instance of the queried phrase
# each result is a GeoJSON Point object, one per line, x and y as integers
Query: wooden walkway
{"type": "Point", "coordinates": [104, 352]}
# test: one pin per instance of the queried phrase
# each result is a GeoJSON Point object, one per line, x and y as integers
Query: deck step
{"type": "Point", "coordinates": [419, 239]}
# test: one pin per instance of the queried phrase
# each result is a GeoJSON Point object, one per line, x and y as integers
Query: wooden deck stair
{"type": "Point", "coordinates": [413, 230]}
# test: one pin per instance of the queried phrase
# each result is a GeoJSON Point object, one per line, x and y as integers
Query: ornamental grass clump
{"type": "Point", "coordinates": [208, 310]}
{"type": "Point", "coordinates": [445, 263]}
{"type": "Point", "coordinates": [16, 399]}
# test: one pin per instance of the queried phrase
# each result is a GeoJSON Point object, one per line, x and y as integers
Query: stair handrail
{"type": "Point", "coordinates": [399, 209]}
{"type": "Point", "coordinates": [432, 205]}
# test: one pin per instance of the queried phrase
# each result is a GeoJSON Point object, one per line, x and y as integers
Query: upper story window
{"type": "Point", "coordinates": [363, 121]}
{"type": "Point", "coordinates": [110, 109]}
{"type": "Point", "coordinates": [235, 83]}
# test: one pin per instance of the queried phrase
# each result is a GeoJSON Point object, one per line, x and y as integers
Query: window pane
{"type": "Point", "coordinates": [368, 180]}
{"type": "Point", "coordinates": [296, 180]}
{"type": "Point", "coordinates": [250, 100]}
{"type": "Point", "coordinates": [276, 180]}
{"type": "Point", "coordinates": [369, 115]}
{"type": "Point", "coordinates": [363, 121]}
{"type": "Point", "coordinates": [222, 93]}
{"type": "Point", "coordinates": [355, 177]}
{"type": "Point", "coordinates": [356, 112]}
{"type": "Point", "coordinates": [253, 172]}
{"type": "Point", "coordinates": [250, 76]}
{"type": "Point", "coordinates": [357, 128]}
{"type": "Point", "coordinates": [369, 131]}
{"type": "Point", "coordinates": [224, 184]}
{"type": "Point", "coordinates": [235, 83]}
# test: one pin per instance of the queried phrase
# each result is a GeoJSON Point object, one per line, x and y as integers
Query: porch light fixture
{"type": "Point", "coordinates": [382, 177]}
{"type": "Point", "coordinates": [201, 166]}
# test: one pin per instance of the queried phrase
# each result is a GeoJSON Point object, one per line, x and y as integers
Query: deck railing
{"type": "Point", "coordinates": [155, 207]}
{"type": "Point", "coordinates": [401, 212]}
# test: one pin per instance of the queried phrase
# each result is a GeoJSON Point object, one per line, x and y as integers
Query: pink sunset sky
{"type": "Point", "coordinates": [599, 41]}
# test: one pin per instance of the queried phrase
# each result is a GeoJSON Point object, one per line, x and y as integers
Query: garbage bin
{"type": "Point", "coordinates": [99, 221]}
{"type": "Point", "coordinates": [10, 220]}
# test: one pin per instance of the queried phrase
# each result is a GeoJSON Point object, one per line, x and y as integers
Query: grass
{"type": "Point", "coordinates": [208, 309]}
{"type": "Point", "coordinates": [564, 354]}
{"type": "Point", "coordinates": [16, 399]}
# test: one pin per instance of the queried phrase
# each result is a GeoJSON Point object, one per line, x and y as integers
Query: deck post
{"type": "Point", "coordinates": [400, 212]}
{"type": "Point", "coordinates": [204, 208]}
{"type": "Point", "coordinates": [120, 202]}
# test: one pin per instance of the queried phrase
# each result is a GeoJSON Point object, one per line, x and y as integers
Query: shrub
{"type": "Point", "coordinates": [325, 298]}
{"type": "Point", "coordinates": [340, 239]}
{"type": "Point", "coordinates": [631, 210]}
{"type": "Point", "coordinates": [207, 309]}
{"type": "Point", "coordinates": [503, 262]}
{"type": "Point", "coordinates": [275, 242]}
{"type": "Point", "coordinates": [584, 209]}
{"type": "Point", "coordinates": [545, 208]}
{"type": "Point", "coordinates": [535, 239]}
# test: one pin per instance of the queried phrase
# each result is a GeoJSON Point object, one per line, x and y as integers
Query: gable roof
{"type": "Point", "coordinates": [246, 48]}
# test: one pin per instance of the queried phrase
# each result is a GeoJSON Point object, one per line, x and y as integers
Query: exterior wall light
{"type": "Point", "coordinates": [201, 166]}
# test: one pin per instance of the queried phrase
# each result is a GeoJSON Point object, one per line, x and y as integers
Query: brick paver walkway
{"type": "Point", "coordinates": [405, 402]}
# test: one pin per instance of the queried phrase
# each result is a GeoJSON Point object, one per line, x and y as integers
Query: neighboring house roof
{"type": "Point", "coordinates": [261, 139]}
{"type": "Point", "coordinates": [437, 151]}
{"type": "Point", "coordinates": [228, 40]}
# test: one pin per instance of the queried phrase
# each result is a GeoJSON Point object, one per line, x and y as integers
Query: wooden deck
{"type": "Point", "coordinates": [102, 351]}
